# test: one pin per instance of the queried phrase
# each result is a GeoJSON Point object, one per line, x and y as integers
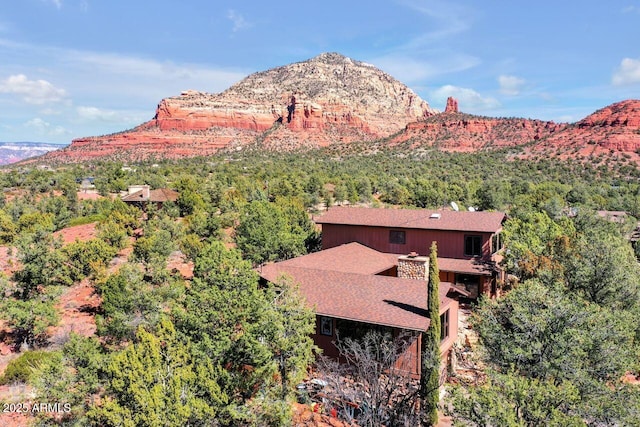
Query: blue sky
{"type": "Point", "coordinates": [72, 68]}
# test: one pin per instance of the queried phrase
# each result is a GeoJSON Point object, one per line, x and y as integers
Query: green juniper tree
{"type": "Point", "coordinates": [430, 376]}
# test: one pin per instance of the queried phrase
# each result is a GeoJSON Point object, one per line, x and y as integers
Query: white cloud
{"type": "Point", "coordinates": [101, 115]}
{"type": "Point", "coordinates": [37, 123]}
{"type": "Point", "coordinates": [56, 3]}
{"type": "Point", "coordinates": [50, 112]}
{"type": "Point", "coordinates": [42, 127]}
{"type": "Point", "coordinates": [153, 72]}
{"type": "Point", "coordinates": [32, 91]}
{"type": "Point", "coordinates": [426, 55]}
{"type": "Point", "coordinates": [450, 19]}
{"type": "Point", "coordinates": [408, 69]}
{"type": "Point", "coordinates": [628, 72]}
{"type": "Point", "coordinates": [94, 113]}
{"type": "Point", "coordinates": [468, 99]}
{"type": "Point", "coordinates": [510, 85]}
{"type": "Point", "coordinates": [239, 23]}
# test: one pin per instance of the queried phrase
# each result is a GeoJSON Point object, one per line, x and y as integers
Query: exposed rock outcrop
{"type": "Point", "coordinates": [615, 128]}
{"type": "Point", "coordinates": [452, 105]}
{"type": "Point", "coordinates": [327, 99]}
{"type": "Point", "coordinates": [455, 131]}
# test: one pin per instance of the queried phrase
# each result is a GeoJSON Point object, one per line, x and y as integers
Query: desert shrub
{"type": "Point", "coordinates": [82, 220]}
{"type": "Point", "coordinates": [23, 368]}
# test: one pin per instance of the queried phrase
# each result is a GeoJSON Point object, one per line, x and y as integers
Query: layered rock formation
{"type": "Point", "coordinates": [455, 131]}
{"type": "Point", "coordinates": [452, 105]}
{"type": "Point", "coordinates": [327, 99]}
{"type": "Point", "coordinates": [334, 99]}
{"type": "Point", "coordinates": [615, 128]}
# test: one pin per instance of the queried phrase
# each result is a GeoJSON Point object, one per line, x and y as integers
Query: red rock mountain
{"type": "Point", "coordinates": [455, 131]}
{"type": "Point", "coordinates": [327, 99]}
{"type": "Point", "coordinates": [611, 130]}
{"type": "Point", "coordinates": [331, 99]}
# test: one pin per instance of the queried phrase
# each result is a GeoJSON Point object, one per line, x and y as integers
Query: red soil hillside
{"type": "Point", "coordinates": [455, 131]}
{"type": "Point", "coordinates": [327, 99]}
{"type": "Point", "coordinates": [615, 128]}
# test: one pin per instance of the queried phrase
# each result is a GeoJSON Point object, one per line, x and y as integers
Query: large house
{"type": "Point", "coordinates": [467, 241]}
{"type": "Point", "coordinates": [143, 195]}
{"type": "Point", "coordinates": [354, 288]}
{"type": "Point", "coordinates": [373, 273]}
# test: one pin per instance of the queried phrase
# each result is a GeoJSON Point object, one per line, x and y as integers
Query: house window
{"type": "Point", "coordinates": [326, 326]}
{"type": "Point", "coordinates": [396, 237]}
{"type": "Point", "coordinates": [496, 243]}
{"type": "Point", "coordinates": [444, 325]}
{"type": "Point", "coordinates": [472, 245]}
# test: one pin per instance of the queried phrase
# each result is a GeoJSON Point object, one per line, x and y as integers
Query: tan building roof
{"type": "Point", "coordinates": [158, 195]}
{"type": "Point", "coordinates": [488, 222]}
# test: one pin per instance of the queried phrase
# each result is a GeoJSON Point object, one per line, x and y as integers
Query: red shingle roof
{"type": "Point", "coordinates": [348, 258]}
{"type": "Point", "coordinates": [138, 196]}
{"type": "Point", "coordinates": [380, 300]}
{"type": "Point", "coordinates": [488, 222]}
{"type": "Point", "coordinates": [466, 266]}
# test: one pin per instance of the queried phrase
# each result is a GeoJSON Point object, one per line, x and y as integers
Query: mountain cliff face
{"type": "Point", "coordinates": [334, 99]}
{"type": "Point", "coordinates": [615, 128]}
{"type": "Point", "coordinates": [327, 99]}
{"type": "Point", "coordinates": [455, 131]}
{"type": "Point", "coordinates": [611, 130]}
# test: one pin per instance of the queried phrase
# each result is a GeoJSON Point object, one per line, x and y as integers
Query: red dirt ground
{"type": "Point", "coordinates": [76, 307]}
{"type": "Point", "coordinates": [80, 232]}
{"type": "Point", "coordinates": [176, 262]}
{"type": "Point", "coordinates": [89, 195]}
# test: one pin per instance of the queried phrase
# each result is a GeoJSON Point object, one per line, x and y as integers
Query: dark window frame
{"type": "Point", "coordinates": [325, 326]}
{"type": "Point", "coordinates": [472, 245]}
{"type": "Point", "coordinates": [444, 326]}
{"type": "Point", "coordinates": [397, 237]}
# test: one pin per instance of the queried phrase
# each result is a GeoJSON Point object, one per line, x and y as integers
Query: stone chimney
{"type": "Point", "coordinates": [146, 190]}
{"type": "Point", "coordinates": [413, 266]}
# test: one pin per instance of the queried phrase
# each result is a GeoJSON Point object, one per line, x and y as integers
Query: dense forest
{"type": "Point", "coordinates": [221, 348]}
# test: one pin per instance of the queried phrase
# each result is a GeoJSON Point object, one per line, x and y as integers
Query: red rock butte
{"type": "Point", "coordinates": [614, 129]}
{"type": "Point", "coordinates": [324, 100]}
{"type": "Point", "coordinates": [334, 99]}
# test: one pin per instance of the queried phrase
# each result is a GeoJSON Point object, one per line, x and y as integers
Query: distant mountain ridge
{"type": "Point", "coordinates": [326, 99]}
{"type": "Point", "coordinates": [12, 152]}
{"type": "Point", "coordinates": [455, 131]}
{"type": "Point", "coordinates": [332, 99]}
{"type": "Point", "coordinates": [612, 130]}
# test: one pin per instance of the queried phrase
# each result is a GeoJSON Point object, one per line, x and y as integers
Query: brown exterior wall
{"type": "Point", "coordinates": [447, 345]}
{"type": "Point", "coordinates": [447, 276]}
{"type": "Point", "coordinates": [325, 342]}
{"type": "Point", "coordinates": [450, 243]}
{"type": "Point", "coordinates": [410, 359]}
